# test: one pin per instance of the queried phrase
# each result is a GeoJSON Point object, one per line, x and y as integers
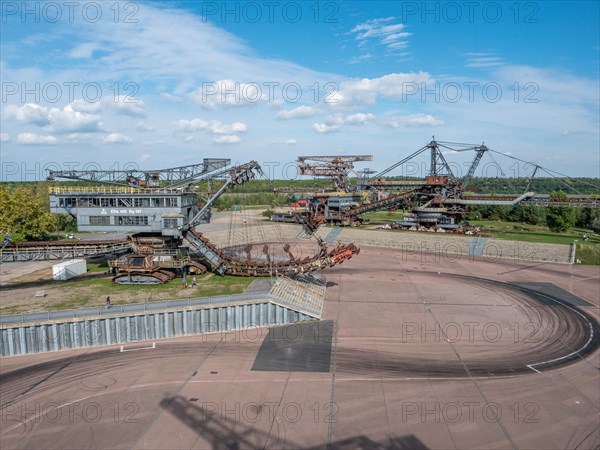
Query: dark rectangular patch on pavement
{"type": "Point", "coordinates": [553, 291]}
{"type": "Point", "coordinates": [298, 347]}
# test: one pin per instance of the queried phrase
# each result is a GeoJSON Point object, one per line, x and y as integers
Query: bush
{"type": "Point", "coordinates": [474, 215]}
{"type": "Point", "coordinates": [560, 218]}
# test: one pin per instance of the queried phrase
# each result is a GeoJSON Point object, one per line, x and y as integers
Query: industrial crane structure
{"type": "Point", "coordinates": [437, 201]}
{"type": "Point", "coordinates": [337, 168]}
{"type": "Point", "coordinates": [161, 208]}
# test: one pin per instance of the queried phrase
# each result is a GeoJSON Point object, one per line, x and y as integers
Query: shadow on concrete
{"type": "Point", "coordinates": [298, 347]}
{"type": "Point", "coordinates": [227, 429]}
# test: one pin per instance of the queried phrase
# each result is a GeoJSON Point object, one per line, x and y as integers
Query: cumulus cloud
{"type": "Point", "coordinates": [335, 121]}
{"type": "Point", "coordinates": [358, 118]}
{"type": "Point", "coordinates": [117, 138]}
{"type": "Point", "coordinates": [126, 105]}
{"type": "Point", "coordinates": [324, 128]}
{"type": "Point", "coordinates": [29, 113]}
{"type": "Point", "coordinates": [415, 120]}
{"type": "Point", "coordinates": [291, 142]}
{"type": "Point", "coordinates": [227, 139]}
{"type": "Point", "coordinates": [190, 125]}
{"type": "Point", "coordinates": [297, 113]}
{"type": "Point", "coordinates": [55, 119]}
{"type": "Point", "coordinates": [365, 91]}
{"type": "Point", "coordinates": [217, 127]}
{"type": "Point", "coordinates": [86, 107]}
{"type": "Point", "coordinates": [31, 138]}
{"type": "Point", "coordinates": [122, 104]}
{"type": "Point", "coordinates": [213, 126]}
{"type": "Point", "coordinates": [4, 137]}
{"type": "Point", "coordinates": [69, 120]}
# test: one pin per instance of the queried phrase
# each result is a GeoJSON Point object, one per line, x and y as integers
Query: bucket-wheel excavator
{"type": "Point", "coordinates": [161, 208]}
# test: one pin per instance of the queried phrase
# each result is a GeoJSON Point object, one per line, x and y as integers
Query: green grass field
{"type": "Point", "coordinates": [208, 285]}
{"type": "Point", "coordinates": [383, 216]}
{"type": "Point", "coordinates": [587, 251]}
{"type": "Point", "coordinates": [92, 289]}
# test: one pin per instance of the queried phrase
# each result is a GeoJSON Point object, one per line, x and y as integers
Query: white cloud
{"type": "Point", "coordinates": [122, 104]}
{"type": "Point", "coordinates": [31, 138]}
{"type": "Point", "coordinates": [395, 86]}
{"type": "Point", "coordinates": [143, 127]}
{"type": "Point", "coordinates": [30, 113]}
{"type": "Point", "coordinates": [86, 107]}
{"type": "Point", "coordinates": [227, 139]}
{"type": "Point", "coordinates": [359, 119]}
{"type": "Point", "coordinates": [483, 60]}
{"type": "Point", "coordinates": [85, 50]}
{"type": "Point", "coordinates": [178, 49]}
{"type": "Point", "coordinates": [324, 128]}
{"type": "Point", "coordinates": [335, 121]}
{"type": "Point", "coordinates": [297, 113]}
{"type": "Point", "coordinates": [213, 126]}
{"type": "Point", "coordinates": [291, 142]}
{"type": "Point", "coordinates": [415, 120]}
{"type": "Point", "coordinates": [117, 138]}
{"type": "Point", "coordinates": [83, 137]}
{"type": "Point", "coordinates": [55, 119]}
{"type": "Point", "coordinates": [191, 125]}
{"type": "Point", "coordinates": [69, 120]}
{"type": "Point", "coordinates": [126, 105]}
{"type": "Point", "coordinates": [4, 137]}
{"type": "Point", "coordinates": [384, 31]}
{"type": "Point", "coordinates": [217, 127]}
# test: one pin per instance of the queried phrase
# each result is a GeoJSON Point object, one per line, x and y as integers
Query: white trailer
{"type": "Point", "coordinates": [69, 269]}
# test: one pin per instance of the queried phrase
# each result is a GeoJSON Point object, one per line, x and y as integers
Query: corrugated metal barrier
{"type": "Point", "coordinates": [76, 333]}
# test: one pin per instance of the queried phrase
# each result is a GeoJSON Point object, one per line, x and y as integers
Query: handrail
{"type": "Point", "coordinates": [112, 190]}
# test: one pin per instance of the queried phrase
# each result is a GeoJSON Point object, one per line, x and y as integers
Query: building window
{"type": "Point", "coordinates": [170, 222]}
{"type": "Point", "coordinates": [99, 220]}
{"type": "Point", "coordinates": [125, 202]}
{"type": "Point", "coordinates": [131, 220]}
{"type": "Point", "coordinates": [67, 202]}
{"type": "Point", "coordinates": [171, 202]}
{"type": "Point", "coordinates": [141, 202]}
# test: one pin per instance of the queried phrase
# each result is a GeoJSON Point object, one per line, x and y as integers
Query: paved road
{"type": "Point", "coordinates": [423, 354]}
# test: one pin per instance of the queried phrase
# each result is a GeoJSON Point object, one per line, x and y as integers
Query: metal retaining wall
{"type": "Point", "coordinates": [95, 331]}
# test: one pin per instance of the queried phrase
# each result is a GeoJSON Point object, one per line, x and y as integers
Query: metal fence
{"type": "Point", "coordinates": [138, 326]}
{"type": "Point", "coordinates": [116, 310]}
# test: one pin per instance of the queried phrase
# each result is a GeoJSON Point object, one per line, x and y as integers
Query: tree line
{"type": "Point", "coordinates": [25, 213]}
{"type": "Point", "coordinates": [557, 218]}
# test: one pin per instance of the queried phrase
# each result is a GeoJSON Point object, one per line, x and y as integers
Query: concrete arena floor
{"type": "Point", "coordinates": [397, 380]}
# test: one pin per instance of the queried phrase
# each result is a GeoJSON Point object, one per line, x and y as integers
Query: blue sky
{"type": "Point", "coordinates": [161, 84]}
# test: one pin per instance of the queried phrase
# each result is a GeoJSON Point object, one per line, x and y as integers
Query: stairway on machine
{"type": "Point", "coordinates": [333, 234]}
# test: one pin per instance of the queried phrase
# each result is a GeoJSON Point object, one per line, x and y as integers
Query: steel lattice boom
{"type": "Point", "coordinates": [165, 178]}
